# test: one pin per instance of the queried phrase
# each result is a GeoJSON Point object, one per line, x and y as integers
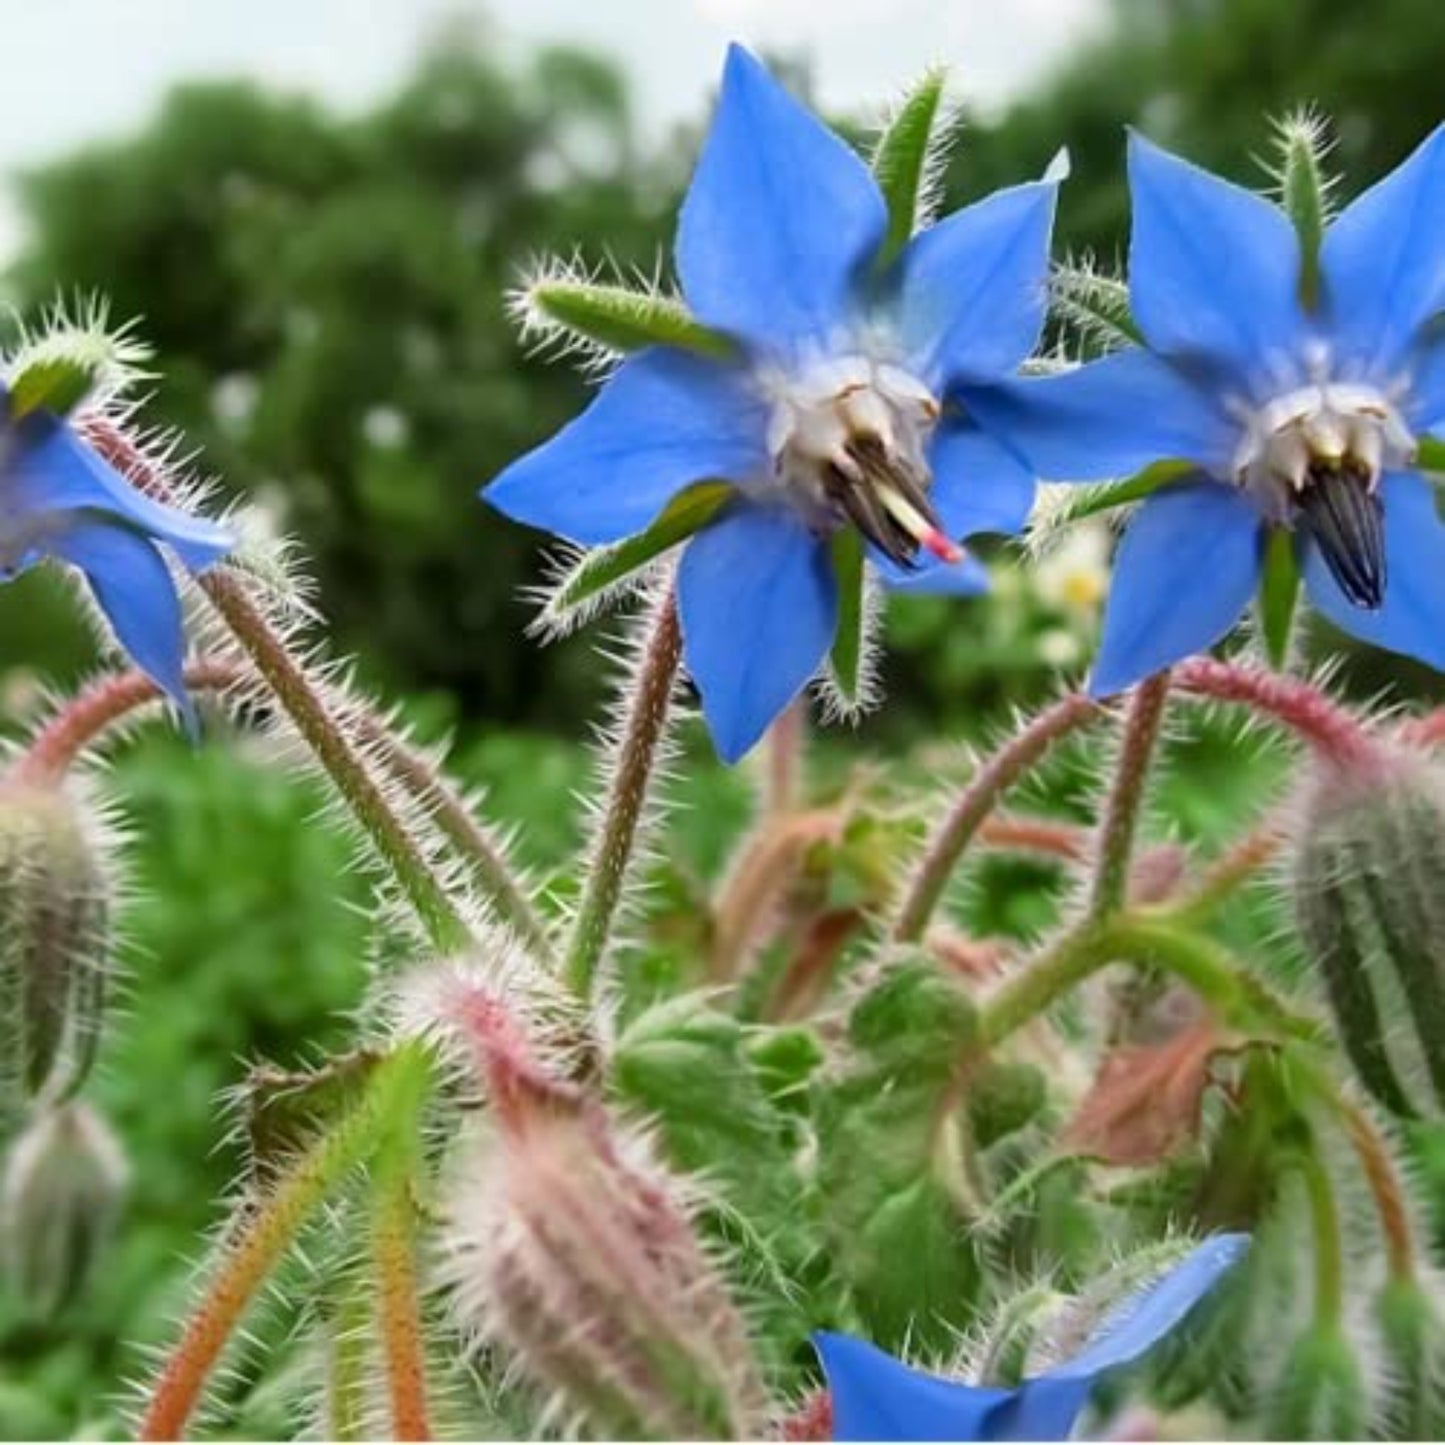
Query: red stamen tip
{"type": "Point", "coordinates": [941, 547]}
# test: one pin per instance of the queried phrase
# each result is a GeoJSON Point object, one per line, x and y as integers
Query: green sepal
{"type": "Point", "coordinates": [620, 319]}
{"type": "Point", "coordinates": [603, 568]}
{"type": "Point", "coordinates": [1278, 602]}
{"type": "Point", "coordinates": [904, 157]}
{"type": "Point", "coordinates": [1096, 306]}
{"type": "Point", "coordinates": [1304, 192]}
{"type": "Point", "coordinates": [1091, 500]}
{"type": "Point", "coordinates": [848, 654]}
{"type": "Point", "coordinates": [53, 383]}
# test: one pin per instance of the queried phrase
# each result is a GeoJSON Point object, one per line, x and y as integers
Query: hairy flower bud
{"type": "Point", "coordinates": [1368, 860]}
{"type": "Point", "coordinates": [1412, 1338]}
{"type": "Point", "coordinates": [63, 1184]}
{"type": "Point", "coordinates": [1322, 1395]}
{"type": "Point", "coordinates": [569, 1249]}
{"type": "Point", "coordinates": [55, 896]}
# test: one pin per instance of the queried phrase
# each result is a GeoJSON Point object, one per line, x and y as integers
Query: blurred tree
{"type": "Point", "coordinates": [327, 298]}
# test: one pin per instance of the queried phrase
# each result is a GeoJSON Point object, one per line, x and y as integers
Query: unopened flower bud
{"type": "Point", "coordinates": [64, 1181]}
{"type": "Point", "coordinates": [1412, 1337]}
{"type": "Point", "coordinates": [55, 896]}
{"type": "Point", "coordinates": [1322, 1395]}
{"type": "Point", "coordinates": [574, 1253]}
{"type": "Point", "coordinates": [1368, 860]}
{"type": "Point", "coordinates": [1002, 1097]}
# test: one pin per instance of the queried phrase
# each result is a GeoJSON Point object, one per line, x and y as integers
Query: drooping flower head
{"type": "Point", "coordinates": [875, 1397]}
{"type": "Point", "coordinates": [1295, 377]}
{"type": "Point", "coordinates": [59, 499]}
{"type": "Point", "coordinates": [839, 405]}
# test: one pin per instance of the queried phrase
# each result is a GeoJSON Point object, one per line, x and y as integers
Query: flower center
{"type": "Point", "coordinates": [1313, 459]}
{"type": "Point", "coordinates": [848, 441]}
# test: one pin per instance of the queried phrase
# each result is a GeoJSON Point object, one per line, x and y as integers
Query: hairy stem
{"type": "Point", "coordinates": [1324, 1209]}
{"type": "Point", "coordinates": [393, 1254]}
{"type": "Point", "coordinates": [982, 794]}
{"type": "Point", "coordinates": [264, 1234]}
{"type": "Point", "coordinates": [308, 710]}
{"type": "Point", "coordinates": [1334, 734]}
{"type": "Point", "coordinates": [1126, 795]}
{"type": "Point", "coordinates": [648, 707]}
{"type": "Point", "coordinates": [346, 1373]}
{"type": "Point", "coordinates": [786, 743]}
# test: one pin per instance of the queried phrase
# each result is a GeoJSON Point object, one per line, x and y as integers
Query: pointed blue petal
{"type": "Point", "coordinates": [1382, 261]}
{"type": "Point", "coordinates": [1142, 1321]}
{"type": "Point", "coordinates": [968, 578]}
{"type": "Point", "coordinates": [1412, 619]}
{"type": "Point", "coordinates": [134, 588]}
{"type": "Point", "coordinates": [975, 286]}
{"type": "Point", "coordinates": [664, 421]}
{"type": "Point", "coordinates": [1184, 572]}
{"type": "Point", "coordinates": [1214, 269]}
{"type": "Point", "coordinates": [779, 220]}
{"type": "Point", "coordinates": [55, 471]}
{"type": "Point", "coordinates": [1107, 419]}
{"type": "Point", "coordinates": [1425, 400]}
{"type": "Point", "coordinates": [978, 484]}
{"type": "Point", "coordinates": [759, 606]}
{"type": "Point", "coordinates": [875, 1397]}
{"type": "Point", "coordinates": [1042, 1409]}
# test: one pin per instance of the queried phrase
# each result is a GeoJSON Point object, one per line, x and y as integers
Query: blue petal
{"type": "Point", "coordinates": [1106, 419]}
{"type": "Point", "coordinates": [1183, 574]}
{"type": "Point", "coordinates": [759, 606]}
{"type": "Point", "coordinates": [1214, 270]}
{"type": "Point", "coordinates": [978, 484]}
{"type": "Point", "coordinates": [968, 578]}
{"type": "Point", "coordinates": [1141, 1322]}
{"type": "Point", "coordinates": [55, 471]}
{"type": "Point", "coordinates": [975, 286]}
{"type": "Point", "coordinates": [875, 1397]}
{"type": "Point", "coordinates": [1382, 261]}
{"type": "Point", "coordinates": [1425, 400]}
{"type": "Point", "coordinates": [1412, 619]}
{"type": "Point", "coordinates": [134, 588]}
{"type": "Point", "coordinates": [664, 421]}
{"type": "Point", "coordinates": [779, 220]}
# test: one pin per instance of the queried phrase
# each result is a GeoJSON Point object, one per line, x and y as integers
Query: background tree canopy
{"type": "Point", "coordinates": [325, 294]}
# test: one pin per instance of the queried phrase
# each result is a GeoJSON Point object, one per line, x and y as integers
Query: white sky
{"type": "Point", "coordinates": [76, 70]}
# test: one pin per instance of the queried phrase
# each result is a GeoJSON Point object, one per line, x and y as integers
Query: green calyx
{"type": "Point", "coordinates": [51, 383]}
{"type": "Point", "coordinates": [907, 156]}
{"type": "Point", "coordinates": [616, 318]}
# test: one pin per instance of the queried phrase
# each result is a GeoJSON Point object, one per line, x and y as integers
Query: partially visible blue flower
{"type": "Point", "coordinates": [849, 401]}
{"type": "Point", "coordinates": [1305, 418]}
{"type": "Point", "coordinates": [875, 1397]}
{"type": "Point", "coordinates": [60, 499]}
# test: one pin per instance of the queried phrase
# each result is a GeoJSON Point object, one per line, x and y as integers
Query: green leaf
{"type": "Point", "coordinates": [55, 383]}
{"type": "Point", "coordinates": [619, 319]}
{"type": "Point", "coordinates": [601, 569]}
{"type": "Point", "coordinates": [1278, 596]}
{"type": "Point", "coordinates": [1304, 189]}
{"type": "Point", "coordinates": [904, 158]}
{"type": "Point", "coordinates": [849, 653]}
{"type": "Point", "coordinates": [891, 1177]}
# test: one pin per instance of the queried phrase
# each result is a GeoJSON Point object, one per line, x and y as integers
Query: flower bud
{"type": "Point", "coordinates": [63, 1185]}
{"type": "Point", "coordinates": [55, 898]}
{"type": "Point", "coordinates": [1369, 856]}
{"type": "Point", "coordinates": [1322, 1395]}
{"type": "Point", "coordinates": [568, 1248]}
{"type": "Point", "coordinates": [1412, 1337]}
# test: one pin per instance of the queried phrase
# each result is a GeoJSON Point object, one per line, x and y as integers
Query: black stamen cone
{"type": "Point", "coordinates": [859, 501]}
{"type": "Point", "coordinates": [1341, 512]}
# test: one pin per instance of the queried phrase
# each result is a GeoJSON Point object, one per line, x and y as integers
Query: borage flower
{"type": "Point", "coordinates": [1294, 384]}
{"type": "Point", "coordinates": [841, 403]}
{"type": "Point", "coordinates": [875, 1397]}
{"type": "Point", "coordinates": [59, 499]}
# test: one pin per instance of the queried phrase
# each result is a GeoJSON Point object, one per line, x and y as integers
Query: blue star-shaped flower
{"type": "Point", "coordinates": [877, 1398]}
{"type": "Point", "coordinates": [1293, 416]}
{"type": "Point", "coordinates": [60, 499]}
{"type": "Point", "coordinates": [849, 401]}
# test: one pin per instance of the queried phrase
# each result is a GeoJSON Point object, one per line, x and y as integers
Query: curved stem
{"type": "Point", "coordinates": [305, 704]}
{"type": "Point", "coordinates": [1126, 795]}
{"type": "Point", "coordinates": [978, 799]}
{"type": "Point", "coordinates": [648, 706]}
{"type": "Point", "coordinates": [1333, 733]}
{"type": "Point", "coordinates": [264, 1236]}
{"type": "Point", "coordinates": [1230, 871]}
{"type": "Point", "coordinates": [1325, 1225]}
